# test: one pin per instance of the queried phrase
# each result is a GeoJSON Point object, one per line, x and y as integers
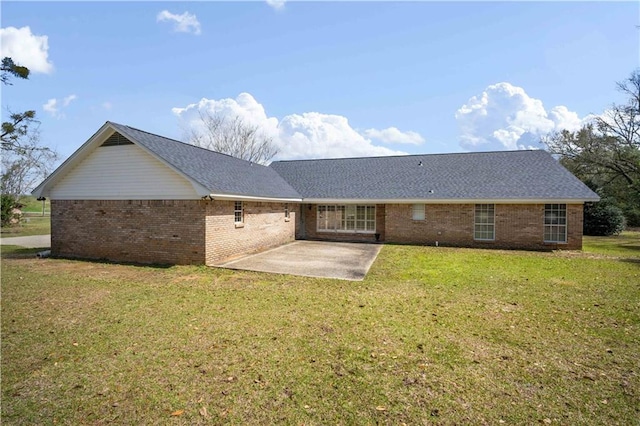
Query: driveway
{"type": "Point", "coordinates": [33, 241]}
{"type": "Point", "coordinates": [345, 261]}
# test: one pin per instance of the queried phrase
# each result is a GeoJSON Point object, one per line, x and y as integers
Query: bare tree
{"type": "Point", "coordinates": [24, 160]}
{"type": "Point", "coordinates": [22, 171]}
{"type": "Point", "coordinates": [232, 136]}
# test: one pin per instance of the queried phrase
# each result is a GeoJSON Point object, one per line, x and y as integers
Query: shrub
{"type": "Point", "coordinates": [9, 215]}
{"type": "Point", "coordinates": [603, 219]}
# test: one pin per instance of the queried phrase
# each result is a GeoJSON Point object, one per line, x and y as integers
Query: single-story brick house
{"type": "Point", "coordinates": [129, 195]}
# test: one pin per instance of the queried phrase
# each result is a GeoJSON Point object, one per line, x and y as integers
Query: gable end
{"type": "Point", "coordinates": [116, 139]}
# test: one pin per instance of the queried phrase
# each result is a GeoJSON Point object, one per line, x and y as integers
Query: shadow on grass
{"type": "Point", "coordinates": [635, 261]}
{"type": "Point", "coordinates": [17, 252]}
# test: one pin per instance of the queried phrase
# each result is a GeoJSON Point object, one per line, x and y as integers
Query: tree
{"type": "Point", "coordinates": [602, 219]}
{"type": "Point", "coordinates": [24, 160]}
{"type": "Point", "coordinates": [9, 69]}
{"type": "Point", "coordinates": [606, 153]}
{"type": "Point", "coordinates": [232, 136]}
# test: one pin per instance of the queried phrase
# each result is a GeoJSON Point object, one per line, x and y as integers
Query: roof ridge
{"type": "Point", "coordinates": [414, 155]}
{"type": "Point", "coordinates": [182, 142]}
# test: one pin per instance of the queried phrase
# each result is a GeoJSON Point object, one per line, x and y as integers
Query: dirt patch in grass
{"type": "Point", "coordinates": [431, 336]}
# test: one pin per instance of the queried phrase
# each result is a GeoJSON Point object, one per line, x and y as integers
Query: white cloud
{"type": "Point", "coordinates": [107, 105]}
{"type": "Point", "coordinates": [55, 106]}
{"type": "Point", "coordinates": [276, 4]}
{"type": "Point", "coordinates": [51, 106]}
{"type": "Point", "coordinates": [185, 23]}
{"type": "Point", "coordinates": [505, 117]}
{"type": "Point", "coordinates": [26, 49]}
{"type": "Point", "coordinates": [298, 136]}
{"type": "Point", "coordinates": [394, 135]}
{"type": "Point", "coordinates": [66, 101]}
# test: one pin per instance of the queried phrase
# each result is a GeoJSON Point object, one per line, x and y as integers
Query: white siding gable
{"type": "Point", "coordinates": [123, 172]}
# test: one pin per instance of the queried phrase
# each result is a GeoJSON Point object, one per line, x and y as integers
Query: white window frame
{"type": "Point", "coordinates": [418, 212]}
{"type": "Point", "coordinates": [555, 223]}
{"type": "Point", "coordinates": [346, 218]}
{"type": "Point", "coordinates": [484, 222]}
{"type": "Point", "coordinates": [238, 212]}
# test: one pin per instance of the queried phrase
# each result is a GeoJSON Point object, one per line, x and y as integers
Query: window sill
{"type": "Point", "coordinates": [239, 224]}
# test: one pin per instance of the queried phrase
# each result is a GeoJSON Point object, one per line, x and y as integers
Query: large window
{"type": "Point", "coordinates": [484, 224]}
{"type": "Point", "coordinates": [555, 223]}
{"type": "Point", "coordinates": [347, 218]}
{"type": "Point", "coordinates": [238, 212]}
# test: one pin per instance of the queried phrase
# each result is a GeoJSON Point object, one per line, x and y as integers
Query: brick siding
{"type": "Point", "coordinates": [164, 231]}
{"type": "Point", "coordinates": [264, 226]}
{"type": "Point", "coordinates": [517, 226]}
{"type": "Point", "coordinates": [141, 231]}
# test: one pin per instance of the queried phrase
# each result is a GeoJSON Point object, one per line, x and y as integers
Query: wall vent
{"type": "Point", "coordinates": [117, 139]}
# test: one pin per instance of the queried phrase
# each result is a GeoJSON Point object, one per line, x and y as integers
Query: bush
{"type": "Point", "coordinates": [9, 216]}
{"type": "Point", "coordinates": [601, 219]}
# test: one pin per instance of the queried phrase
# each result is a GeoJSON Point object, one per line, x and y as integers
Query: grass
{"type": "Point", "coordinates": [432, 335]}
{"type": "Point", "coordinates": [625, 244]}
{"type": "Point", "coordinates": [32, 205]}
{"type": "Point", "coordinates": [30, 225]}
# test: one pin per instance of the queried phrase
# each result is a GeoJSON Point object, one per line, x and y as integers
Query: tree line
{"type": "Point", "coordinates": [605, 155]}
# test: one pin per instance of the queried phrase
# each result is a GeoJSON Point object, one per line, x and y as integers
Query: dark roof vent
{"type": "Point", "coordinates": [116, 139]}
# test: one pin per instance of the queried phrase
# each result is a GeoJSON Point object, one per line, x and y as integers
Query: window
{"type": "Point", "coordinates": [555, 223]}
{"type": "Point", "coordinates": [484, 223]}
{"type": "Point", "coordinates": [286, 211]}
{"type": "Point", "coordinates": [418, 212]}
{"type": "Point", "coordinates": [347, 218]}
{"type": "Point", "coordinates": [238, 212]}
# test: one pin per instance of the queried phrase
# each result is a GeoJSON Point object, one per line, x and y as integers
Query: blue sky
{"type": "Point", "coordinates": [324, 79]}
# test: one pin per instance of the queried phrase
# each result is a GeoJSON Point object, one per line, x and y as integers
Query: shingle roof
{"type": "Point", "coordinates": [505, 175]}
{"type": "Point", "coordinates": [219, 173]}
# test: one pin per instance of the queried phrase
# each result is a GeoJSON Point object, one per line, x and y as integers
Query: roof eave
{"type": "Point", "coordinates": [240, 197]}
{"type": "Point", "coordinates": [449, 200]}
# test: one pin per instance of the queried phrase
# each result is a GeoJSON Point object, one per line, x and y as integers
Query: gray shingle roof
{"type": "Point", "coordinates": [219, 173]}
{"type": "Point", "coordinates": [504, 175]}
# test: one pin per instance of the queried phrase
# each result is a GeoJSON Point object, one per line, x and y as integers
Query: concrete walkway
{"type": "Point", "coordinates": [322, 259]}
{"type": "Point", "coordinates": [33, 241]}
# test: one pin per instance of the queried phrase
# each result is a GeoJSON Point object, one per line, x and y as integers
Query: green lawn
{"type": "Point", "coordinates": [32, 205]}
{"type": "Point", "coordinates": [432, 336]}
{"type": "Point", "coordinates": [30, 225]}
{"type": "Point", "coordinates": [625, 244]}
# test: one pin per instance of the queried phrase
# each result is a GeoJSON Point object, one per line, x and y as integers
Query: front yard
{"type": "Point", "coordinates": [432, 335]}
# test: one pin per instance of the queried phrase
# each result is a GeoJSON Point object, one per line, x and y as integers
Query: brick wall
{"type": "Point", "coordinates": [141, 231]}
{"type": "Point", "coordinates": [264, 226]}
{"type": "Point", "coordinates": [165, 231]}
{"type": "Point", "coordinates": [516, 226]}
